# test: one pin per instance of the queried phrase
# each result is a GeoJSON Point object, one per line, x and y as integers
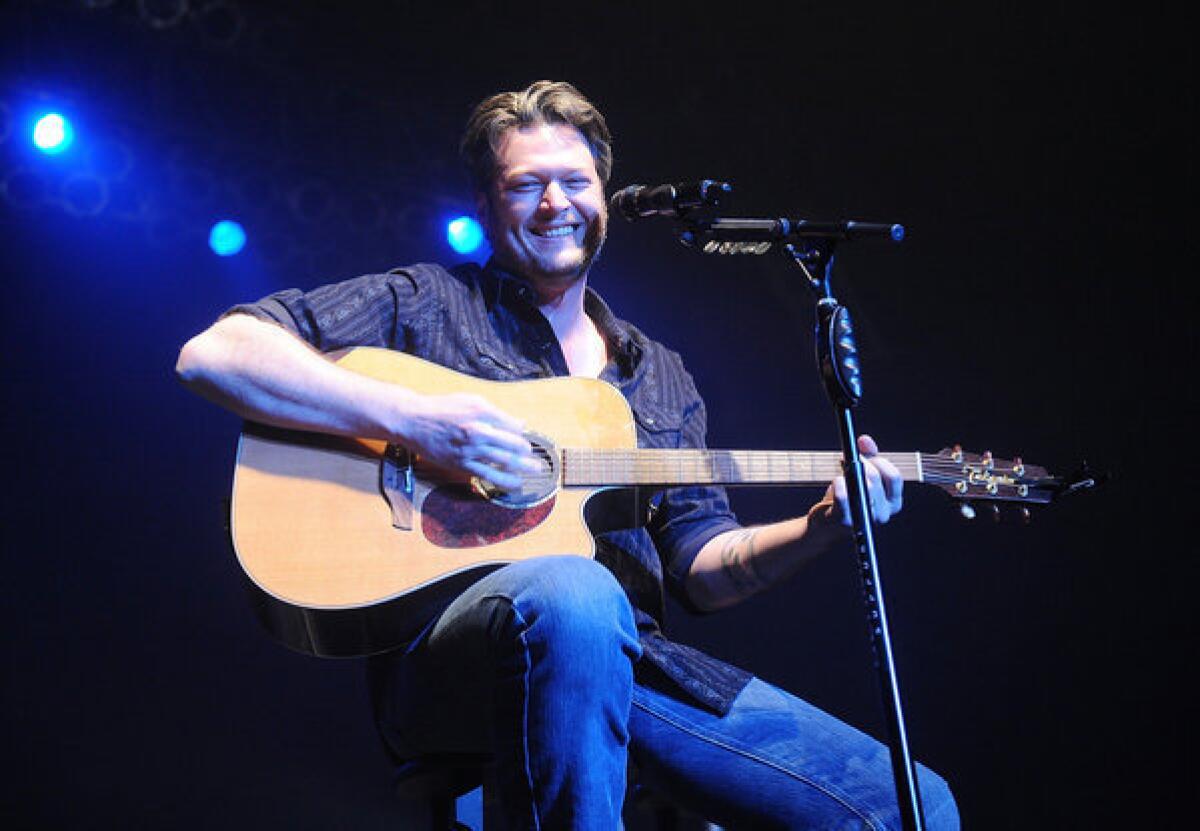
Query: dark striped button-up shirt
{"type": "Point", "coordinates": [485, 322]}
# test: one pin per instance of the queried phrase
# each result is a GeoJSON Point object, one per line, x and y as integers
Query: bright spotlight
{"type": "Point", "coordinates": [52, 133]}
{"type": "Point", "coordinates": [464, 234]}
{"type": "Point", "coordinates": [226, 238]}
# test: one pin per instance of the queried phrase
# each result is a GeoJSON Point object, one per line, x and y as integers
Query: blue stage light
{"type": "Point", "coordinates": [52, 133]}
{"type": "Point", "coordinates": [226, 238]}
{"type": "Point", "coordinates": [464, 234]}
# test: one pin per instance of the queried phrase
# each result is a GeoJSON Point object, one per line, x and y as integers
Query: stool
{"type": "Point", "coordinates": [437, 781]}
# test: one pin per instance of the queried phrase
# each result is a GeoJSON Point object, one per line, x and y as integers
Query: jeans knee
{"type": "Point", "coordinates": [574, 608]}
{"type": "Point", "coordinates": [575, 594]}
{"type": "Point", "coordinates": [937, 802]}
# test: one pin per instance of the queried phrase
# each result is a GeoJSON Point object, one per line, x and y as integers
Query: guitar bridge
{"type": "Point", "coordinates": [396, 481]}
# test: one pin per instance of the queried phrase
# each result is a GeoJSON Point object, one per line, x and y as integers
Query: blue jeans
{"type": "Point", "coordinates": [533, 665]}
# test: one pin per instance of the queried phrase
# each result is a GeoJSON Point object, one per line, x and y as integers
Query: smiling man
{"type": "Point", "coordinates": [556, 667]}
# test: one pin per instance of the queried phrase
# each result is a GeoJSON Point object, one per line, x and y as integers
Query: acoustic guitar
{"type": "Point", "coordinates": [350, 545]}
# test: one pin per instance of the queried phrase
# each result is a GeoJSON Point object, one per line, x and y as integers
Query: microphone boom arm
{"type": "Point", "coordinates": [693, 204]}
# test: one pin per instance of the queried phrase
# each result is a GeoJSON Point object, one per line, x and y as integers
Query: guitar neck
{"type": "Point", "coordinates": [670, 468]}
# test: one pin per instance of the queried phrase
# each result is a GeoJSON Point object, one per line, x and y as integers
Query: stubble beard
{"type": "Point", "coordinates": [539, 269]}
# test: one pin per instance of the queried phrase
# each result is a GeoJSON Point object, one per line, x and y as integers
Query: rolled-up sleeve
{"type": "Point", "coordinates": [371, 310]}
{"type": "Point", "coordinates": [686, 518]}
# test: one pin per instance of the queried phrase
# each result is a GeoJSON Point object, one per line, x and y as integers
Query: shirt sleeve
{"type": "Point", "coordinates": [686, 518]}
{"type": "Point", "coordinates": [371, 310]}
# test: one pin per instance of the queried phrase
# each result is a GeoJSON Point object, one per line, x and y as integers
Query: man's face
{"type": "Point", "coordinates": [545, 213]}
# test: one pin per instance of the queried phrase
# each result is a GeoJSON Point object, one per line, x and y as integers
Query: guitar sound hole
{"type": "Point", "coordinates": [536, 487]}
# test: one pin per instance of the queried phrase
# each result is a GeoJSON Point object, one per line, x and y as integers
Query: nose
{"type": "Point", "coordinates": [554, 198]}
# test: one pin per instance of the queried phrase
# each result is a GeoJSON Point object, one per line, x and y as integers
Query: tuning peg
{"type": "Point", "coordinates": [1018, 466]}
{"type": "Point", "coordinates": [986, 460]}
{"type": "Point", "coordinates": [994, 510]}
{"type": "Point", "coordinates": [967, 510]}
{"type": "Point", "coordinates": [1023, 513]}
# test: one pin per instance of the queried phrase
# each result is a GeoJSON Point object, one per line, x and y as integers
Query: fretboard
{"type": "Point", "coordinates": [668, 468]}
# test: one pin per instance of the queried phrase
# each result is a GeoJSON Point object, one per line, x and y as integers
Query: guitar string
{"type": "Point", "coordinates": [770, 457]}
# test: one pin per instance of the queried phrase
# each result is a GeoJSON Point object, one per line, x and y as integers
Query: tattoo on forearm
{"type": "Point", "coordinates": [736, 559]}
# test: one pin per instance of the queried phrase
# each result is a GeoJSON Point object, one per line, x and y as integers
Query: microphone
{"type": "Point", "coordinates": [637, 201]}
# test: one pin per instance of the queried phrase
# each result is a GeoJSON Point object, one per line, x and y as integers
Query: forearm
{"type": "Point", "coordinates": [737, 564]}
{"type": "Point", "coordinates": [264, 373]}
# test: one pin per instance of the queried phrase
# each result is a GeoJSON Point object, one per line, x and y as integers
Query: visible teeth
{"type": "Point", "coordinates": [556, 232]}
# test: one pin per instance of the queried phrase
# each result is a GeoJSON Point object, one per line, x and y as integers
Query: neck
{"type": "Point", "coordinates": [668, 468]}
{"type": "Point", "coordinates": [563, 306]}
{"type": "Point", "coordinates": [582, 345]}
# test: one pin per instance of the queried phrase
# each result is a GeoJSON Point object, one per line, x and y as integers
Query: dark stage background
{"type": "Point", "coordinates": [1036, 154]}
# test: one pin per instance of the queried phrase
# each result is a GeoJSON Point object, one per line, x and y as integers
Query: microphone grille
{"type": "Point", "coordinates": [624, 202]}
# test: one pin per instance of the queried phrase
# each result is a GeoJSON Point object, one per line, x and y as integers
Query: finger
{"type": "Point", "coordinates": [892, 481]}
{"type": "Point", "coordinates": [841, 500]}
{"type": "Point", "coordinates": [519, 463]}
{"type": "Point", "coordinates": [500, 466]}
{"type": "Point", "coordinates": [493, 461]}
{"type": "Point", "coordinates": [487, 435]}
{"type": "Point", "coordinates": [881, 509]}
{"type": "Point", "coordinates": [504, 480]}
{"type": "Point", "coordinates": [877, 502]}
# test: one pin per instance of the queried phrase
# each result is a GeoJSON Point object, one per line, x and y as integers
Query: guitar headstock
{"type": "Point", "coordinates": [981, 480]}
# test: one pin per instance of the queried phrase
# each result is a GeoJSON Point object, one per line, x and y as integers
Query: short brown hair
{"type": "Point", "coordinates": [542, 102]}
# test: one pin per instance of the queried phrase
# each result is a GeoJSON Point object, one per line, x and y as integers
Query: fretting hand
{"type": "Point", "coordinates": [885, 490]}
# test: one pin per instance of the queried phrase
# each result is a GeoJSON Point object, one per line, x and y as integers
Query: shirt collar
{"type": "Point", "coordinates": [500, 285]}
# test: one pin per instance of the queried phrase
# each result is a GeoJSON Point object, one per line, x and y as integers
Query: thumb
{"type": "Point", "coordinates": [867, 445]}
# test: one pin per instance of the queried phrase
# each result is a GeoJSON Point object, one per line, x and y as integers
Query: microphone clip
{"type": "Point", "coordinates": [678, 200]}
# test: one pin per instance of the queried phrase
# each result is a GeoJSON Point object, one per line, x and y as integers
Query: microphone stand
{"type": "Point", "coordinates": [810, 245]}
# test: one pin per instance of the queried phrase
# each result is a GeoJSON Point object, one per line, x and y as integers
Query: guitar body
{"type": "Point", "coordinates": [341, 564]}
